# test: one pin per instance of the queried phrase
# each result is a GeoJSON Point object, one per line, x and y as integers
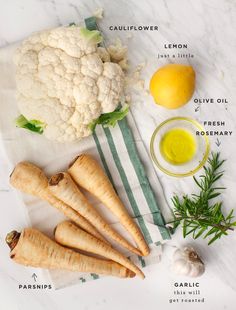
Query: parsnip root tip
{"type": "Point", "coordinates": [146, 252]}
{"type": "Point", "coordinates": [70, 235]}
{"type": "Point", "coordinates": [138, 252]}
{"type": "Point", "coordinates": [141, 276]}
{"type": "Point", "coordinates": [88, 174]}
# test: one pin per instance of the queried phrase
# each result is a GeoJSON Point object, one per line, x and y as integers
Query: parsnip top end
{"type": "Point", "coordinates": [73, 161]}
{"type": "Point", "coordinates": [55, 179]}
{"type": "Point", "coordinates": [79, 157]}
{"type": "Point", "coordinates": [12, 239]}
{"type": "Point", "coordinates": [12, 173]}
{"type": "Point", "coordinates": [130, 274]}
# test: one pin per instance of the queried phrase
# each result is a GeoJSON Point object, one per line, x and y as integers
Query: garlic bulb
{"type": "Point", "coordinates": [186, 262]}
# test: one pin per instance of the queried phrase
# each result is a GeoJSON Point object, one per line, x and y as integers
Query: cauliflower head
{"type": "Point", "coordinates": [65, 81]}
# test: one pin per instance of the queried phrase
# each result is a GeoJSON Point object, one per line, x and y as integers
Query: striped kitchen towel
{"type": "Point", "coordinates": [121, 152]}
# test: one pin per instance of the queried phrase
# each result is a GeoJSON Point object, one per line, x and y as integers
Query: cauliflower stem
{"type": "Point", "coordinates": [91, 35]}
{"type": "Point", "coordinates": [110, 119]}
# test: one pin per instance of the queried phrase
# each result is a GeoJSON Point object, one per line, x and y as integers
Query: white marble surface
{"type": "Point", "coordinates": [207, 26]}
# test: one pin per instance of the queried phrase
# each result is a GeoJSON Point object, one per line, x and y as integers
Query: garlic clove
{"type": "Point", "coordinates": [196, 270]}
{"type": "Point", "coordinates": [181, 268]}
{"type": "Point", "coordinates": [178, 254]}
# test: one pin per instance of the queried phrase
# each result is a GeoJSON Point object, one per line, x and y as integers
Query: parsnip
{"type": "Point", "coordinates": [64, 188]}
{"type": "Point", "coordinates": [88, 174]}
{"type": "Point", "coordinates": [33, 248]}
{"type": "Point", "coordinates": [68, 234]}
{"type": "Point", "coordinates": [30, 179]}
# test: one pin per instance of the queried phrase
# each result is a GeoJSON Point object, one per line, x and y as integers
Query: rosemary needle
{"type": "Point", "coordinates": [197, 214]}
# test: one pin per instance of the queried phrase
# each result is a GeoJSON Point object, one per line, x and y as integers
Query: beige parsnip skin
{"type": "Point", "coordinates": [64, 188]}
{"type": "Point", "coordinates": [30, 179]}
{"type": "Point", "coordinates": [68, 234]}
{"type": "Point", "coordinates": [35, 249]}
{"type": "Point", "coordinates": [88, 174]}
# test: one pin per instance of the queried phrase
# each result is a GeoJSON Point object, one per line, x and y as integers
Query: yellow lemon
{"type": "Point", "coordinates": [173, 85]}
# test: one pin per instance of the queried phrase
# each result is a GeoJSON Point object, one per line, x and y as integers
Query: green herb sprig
{"type": "Point", "coordinates": [197, 214]}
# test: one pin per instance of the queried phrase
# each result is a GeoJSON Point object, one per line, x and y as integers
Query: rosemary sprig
{"type": "Point", "coordinates": [197, 214]}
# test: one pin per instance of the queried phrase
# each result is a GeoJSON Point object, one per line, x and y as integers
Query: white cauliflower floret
{"type": "Point", "coordinates": [104, 55]}
{"type": "Point", "coordinates": [64, 82]}
{"type": "Point", "coordinates": [69, 39]}
{"type": "Point", "coordinates": [108, 83]}
{"type": "Point", "coordinates": [92, 66]}
{"type": "Point", "coordinates": [118, 54]}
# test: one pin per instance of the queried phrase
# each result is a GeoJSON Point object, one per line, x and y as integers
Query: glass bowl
{"type": "Point", "coordinates": [202, 147]}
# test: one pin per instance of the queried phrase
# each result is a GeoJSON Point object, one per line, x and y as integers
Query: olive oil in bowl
{"type": "Point", "coordinates": [178, 146]}
{"type": "Point", "coordinates": [176, 149]}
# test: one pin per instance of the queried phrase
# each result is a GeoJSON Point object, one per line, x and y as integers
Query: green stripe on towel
{"type": "Point", "coordinates": [142, 261]}
{"type": "Point", "coordinates": [126, 184]}
{"type": "Point", "coordinates": [103, 158]}
{"type": "Point", "coordinates": [143, 180]}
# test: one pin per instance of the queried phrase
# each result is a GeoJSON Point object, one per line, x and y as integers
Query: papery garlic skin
{"type": "Point", "coordinates": [186, 262]}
